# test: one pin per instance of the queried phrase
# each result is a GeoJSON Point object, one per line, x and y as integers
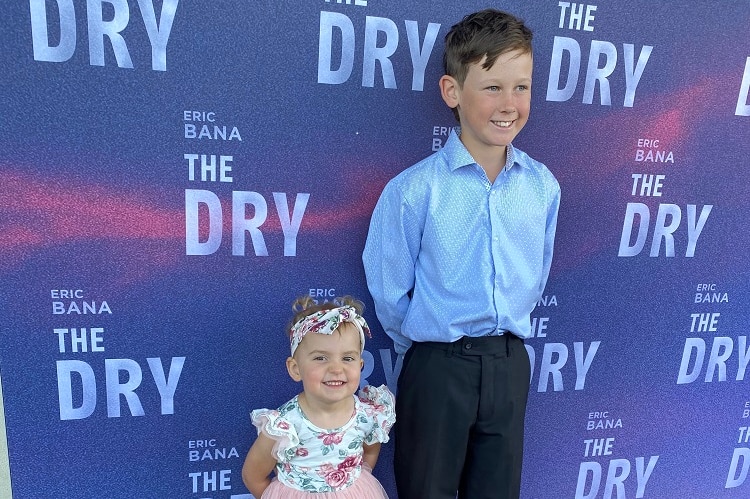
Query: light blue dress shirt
{"type": "Point", "coordinates": [450, 254]}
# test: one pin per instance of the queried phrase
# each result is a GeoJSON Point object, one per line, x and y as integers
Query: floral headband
{"type": "Point", "coordinates": [326, 322]}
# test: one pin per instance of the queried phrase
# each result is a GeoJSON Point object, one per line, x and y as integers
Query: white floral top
{"type": "Point", "coordinates": [315, 459]}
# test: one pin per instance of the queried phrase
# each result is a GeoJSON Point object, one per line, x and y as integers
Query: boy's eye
{"type": "Point", "coordinates": [493, 88]}
{"type": "Point", "coordinates": [348, 359]}
{"type": "Point", "coordinates": [320, 357]}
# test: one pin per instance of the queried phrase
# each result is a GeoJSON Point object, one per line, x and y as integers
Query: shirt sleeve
{"type": "Point", "coordinates": [389, 260]}
{"type": "Point", "coordinates": [549, 234]}
{"type": "Point", "coordinates": [277, 428]}
{"type": "Point", "coordinates": [380, 405]}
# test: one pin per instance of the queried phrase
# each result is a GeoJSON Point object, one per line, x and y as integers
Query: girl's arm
{"type": "Point", "coordinates": [370, 454]}
{"type": "Point", "coordinates": [258, 465]}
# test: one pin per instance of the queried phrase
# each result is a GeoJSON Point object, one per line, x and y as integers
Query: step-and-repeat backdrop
{"type": "Point", "coordinates": [174, 173]}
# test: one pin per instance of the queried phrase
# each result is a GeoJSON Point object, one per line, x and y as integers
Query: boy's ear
{"type": "Point", "coordinates": [449, 90]}
{"type": "Point", "coordinates": [293, 369]}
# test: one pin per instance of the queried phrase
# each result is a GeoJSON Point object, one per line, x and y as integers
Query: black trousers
{"type": "Point", "coordinates": [460, 411]}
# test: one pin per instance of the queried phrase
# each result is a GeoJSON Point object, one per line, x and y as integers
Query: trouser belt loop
{"type": "Point", "coordinates": [507, 343]}
{"type": "Point", "coordinates": [449, 350]}
{"type": "Point", "coordinates": [487, 388]}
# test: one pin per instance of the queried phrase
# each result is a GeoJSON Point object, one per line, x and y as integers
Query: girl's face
{"type": "Point", "coordinates": [328, 365]}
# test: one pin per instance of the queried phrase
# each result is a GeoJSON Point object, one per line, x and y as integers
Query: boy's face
{"type": "Point", "coordinates": [493, 105]}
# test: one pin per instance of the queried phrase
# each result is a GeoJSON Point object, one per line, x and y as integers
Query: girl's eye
{"type": "Point", "coordinates": [319, 358]}
{"type": "Point", "coordinates": [493, 88]}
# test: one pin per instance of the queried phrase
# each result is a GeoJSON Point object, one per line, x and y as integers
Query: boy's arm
{"type": "Point", "coordinates": [549, 237]}
{"type": "Point", "coordinates": [389, 258]}
{"type": "Point", "coordinates": [370, 454]}
{"type": "Point", "coordinates": [259, 463]}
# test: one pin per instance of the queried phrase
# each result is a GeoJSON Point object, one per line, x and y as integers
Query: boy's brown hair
{"type": "Point", "coordinates": [490, 33]}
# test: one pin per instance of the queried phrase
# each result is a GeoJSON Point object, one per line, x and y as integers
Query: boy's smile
{"type": "Point", "coordinates": [493, 106]}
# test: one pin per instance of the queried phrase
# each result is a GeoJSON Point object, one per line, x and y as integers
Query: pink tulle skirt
{"type": "Point", "coordinates": [364, 487]}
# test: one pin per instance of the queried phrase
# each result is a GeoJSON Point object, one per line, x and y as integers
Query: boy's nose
{"type": "Point", "coordinates": [505, 102]}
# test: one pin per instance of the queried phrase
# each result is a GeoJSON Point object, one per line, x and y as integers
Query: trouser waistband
{"type": "Point", "coordinates": [477, 345]}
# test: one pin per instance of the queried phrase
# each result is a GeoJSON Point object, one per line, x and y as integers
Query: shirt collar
{"type": "Point", "coordinates": [459, 156]}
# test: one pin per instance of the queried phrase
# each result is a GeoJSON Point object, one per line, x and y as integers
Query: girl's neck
{"type": "Point", "coordinates": [327, 416]}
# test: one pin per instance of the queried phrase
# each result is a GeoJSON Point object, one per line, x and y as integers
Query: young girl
{"type": "Point", "coordinates": [325, 441]}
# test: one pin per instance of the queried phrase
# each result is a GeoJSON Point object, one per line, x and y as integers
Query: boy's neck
{"type": "Point", "coordinates": [492, 160]}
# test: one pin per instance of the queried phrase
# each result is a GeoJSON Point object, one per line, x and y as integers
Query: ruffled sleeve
{"type": "Point", "coordinates": [380, 405]}
{"type": "Point", "coordinates": [277, 428]}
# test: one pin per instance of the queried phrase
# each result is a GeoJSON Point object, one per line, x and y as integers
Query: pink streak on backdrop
{"type": "Point", "coordinates": [40, 213]}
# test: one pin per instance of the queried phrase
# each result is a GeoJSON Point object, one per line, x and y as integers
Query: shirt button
{"type": "Point", "coordinates": [467, 346]}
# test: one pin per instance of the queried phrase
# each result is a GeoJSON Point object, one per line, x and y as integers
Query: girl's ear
{"type": "Point", "coordinates": [293, 369]}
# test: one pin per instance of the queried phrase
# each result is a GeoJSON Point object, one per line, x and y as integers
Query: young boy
{"type": "Point", "coordinates": [457, 256]}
